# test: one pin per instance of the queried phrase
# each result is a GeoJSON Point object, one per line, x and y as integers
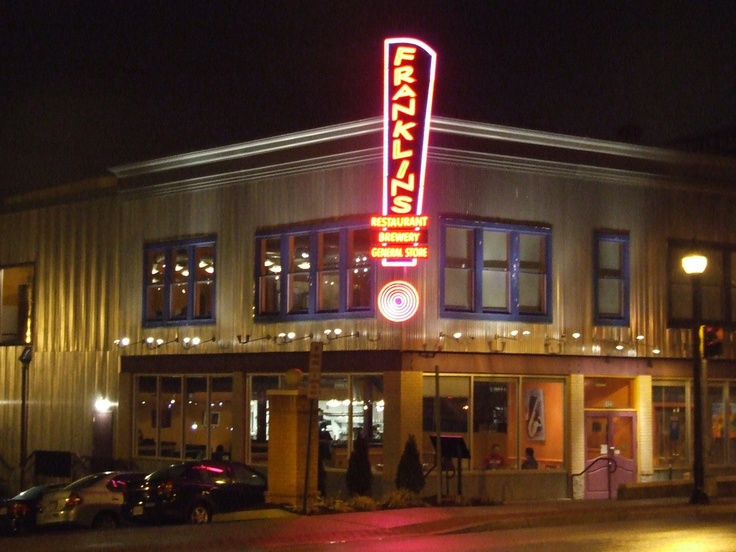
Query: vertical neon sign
{"type": "Point", "coordinates": [401, 232]}
{"type": "Point", "coordinates": [409, 69]}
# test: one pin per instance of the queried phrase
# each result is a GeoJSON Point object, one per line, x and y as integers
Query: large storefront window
{"type": "Point", "coordinates": [721, 405]}
{"type": "Point", "coordinates": [350, 406]}
{"type": "Point", "coordinates": [503, 414]}
{"type": "Point", "coordinates": [259, 388]}
{"type": "Point", "coordinates": [669, 426]}
{"type": "Point", "coordinates": [16, 289]}
{"type": "Point", "coordinates": [183, 417]}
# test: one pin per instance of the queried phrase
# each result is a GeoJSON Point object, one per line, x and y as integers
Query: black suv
{"type": "Point", "coordinates": [195, 490]}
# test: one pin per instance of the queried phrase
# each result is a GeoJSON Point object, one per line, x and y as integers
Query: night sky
{"type": "Point", "coordinates": [88, 85]}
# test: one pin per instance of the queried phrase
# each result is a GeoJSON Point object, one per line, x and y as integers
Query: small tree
{"type": "Point", "coordinates": [409, 474]}
{"type": "Point", "coordinates": [359, 476]}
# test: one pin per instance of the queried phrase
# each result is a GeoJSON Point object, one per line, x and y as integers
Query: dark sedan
{"type": "Point", "coordinates": [18, 514]}
{"type": "Point", "coordinates": [195, 490]}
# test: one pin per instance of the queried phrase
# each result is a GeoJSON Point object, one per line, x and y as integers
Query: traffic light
{"type": "Point", "coordinates": [711, 341]}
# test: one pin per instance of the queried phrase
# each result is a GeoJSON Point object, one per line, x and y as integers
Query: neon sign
{"type": "Point", "coordinates": [398, 301]}
{"type": "Point", "coordinates": [409, 69]}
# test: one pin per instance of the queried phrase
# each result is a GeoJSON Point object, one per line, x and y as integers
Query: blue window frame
{"type": "Point", "coordinates": [315, 273]}
{"type": "Point", "coordinates": [179, 283]}
{"type": "Point", "coordinates": [611, 278]}
{"type": "Point", "coordinates": [495, 271]}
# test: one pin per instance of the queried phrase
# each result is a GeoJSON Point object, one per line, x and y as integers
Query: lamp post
{"type": "Point", "coordinates": [25, 360]}
{"type": "Point", "coordinates": [694, 265]}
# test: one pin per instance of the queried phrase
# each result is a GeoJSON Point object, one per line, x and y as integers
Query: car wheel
{"type": "Point", "coordinates": [200, 513]}
{"type": "Point", "coordinates": [105, 520]}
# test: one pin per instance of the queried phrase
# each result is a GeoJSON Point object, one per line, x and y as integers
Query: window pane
{"type": "Point", "coordinates": [732, 424]}
{"type": "Point", "coordinates": [494, 412]}
{"type": "Point", "coordinates": [360, 274]}
{"type": "Point", "coordinates": [221, 416]}
{"type": "Point", "coordinates": [532, 253]}
{"type": "Point", "coordinates": [610, 298]}
{"type": "Point", "coordinates": [270, 276]}
{"type": "Point", "coordinates": [454, 410]}
{"type": "Point", "coordinates": [496, 291]}
{"type": "Point", "coordinates": [328, 298]}
{"type": "Point", "coordinates": [610, 258]}
{"type": "Point", "coordinates": [195, 418]}
{"type": "Point", "coordinates": [532, 295]}
{"type": "Point", "coordinates": [458, 289]}
{"type": "Point", "coordinates": [459, 247]}
{"type": "Point", "coordinates": [155, 274]}
{"type": "Point", "coordinates": [205, 280]}
{"type": "Point", "coordinates": [542, 421]}
{"type": "Point", "coordinates": [496, 272]}
{"type": "Point", "coordinates": [335, 411]}
{"type": "Point", "coordinates": [146, 417]}
{"type": "Point", "coordinates": [300, 265]}
{"type": "Point", "coordinates": [170, 418]}
{"type": "Point", "coordinates": [17, 298]}
{"type": "Point", "coordinates": [179, 287]}
{"type": "Point", "coordinates": [669, 426]}
{"type": "Point", "coordinates": [717, 409]}
{"type": "Point", "coordinates": [259, 416]}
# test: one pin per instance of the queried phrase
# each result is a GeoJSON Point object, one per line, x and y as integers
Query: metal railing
{"type": "Point", "coordinates": [612, 467]}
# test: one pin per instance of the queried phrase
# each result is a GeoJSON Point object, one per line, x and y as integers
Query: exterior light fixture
{"type": "Point", "coordinates": [337, 333]}
{"type": "Point", "coordinates": [249, 340]}
{"type": "Point", "coordinates": [192, 342]}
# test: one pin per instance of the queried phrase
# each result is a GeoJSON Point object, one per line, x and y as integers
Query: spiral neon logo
{"type": "Point", "coordinates": [398, 301]}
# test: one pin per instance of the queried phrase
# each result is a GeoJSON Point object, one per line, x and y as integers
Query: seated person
{"type": "Point", "coordinates": [494, 460]}
{"type": "Point", "coordinates": [530, 463]}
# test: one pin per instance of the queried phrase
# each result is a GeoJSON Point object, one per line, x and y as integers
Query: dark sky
{"type": "Point", "coordinates": [88, 85]}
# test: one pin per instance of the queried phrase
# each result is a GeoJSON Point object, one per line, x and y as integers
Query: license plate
{"type": "Point", "coordinates": [138, 510]}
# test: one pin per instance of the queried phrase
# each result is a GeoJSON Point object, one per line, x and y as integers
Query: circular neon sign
{"type": "Point", "coordinates": [398, 301]}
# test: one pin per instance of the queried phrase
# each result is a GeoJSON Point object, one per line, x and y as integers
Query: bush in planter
{"type": "Point", "coordinates": [359, 476]}
{"type": "Point", "coordinates": [409, 474]}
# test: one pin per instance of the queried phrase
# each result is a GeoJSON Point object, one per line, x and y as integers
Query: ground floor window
{"type": "Point", "coordinates": [499, 419]}
{"type": "Point", "coordinates": [348, 406]}
{"type": "Point", "coordinates": [721, 406]}
{"type": "Point", "coordinates": [183, 417]}
{"type": "Point", "coordinates": [670, 418]}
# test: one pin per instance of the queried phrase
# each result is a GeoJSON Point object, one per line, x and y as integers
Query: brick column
{"type": "Point", "coordinates": [287, 448]}
{"type": "Point", "coordinates": [577, 433]}
{"type": "Point", "coordinates": [645, 439]}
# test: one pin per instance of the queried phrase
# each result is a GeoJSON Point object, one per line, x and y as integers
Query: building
{"type": "Point", "coordinates": [552, 313]}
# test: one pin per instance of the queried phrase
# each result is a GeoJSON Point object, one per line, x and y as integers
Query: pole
{"type": "Point", "coordinates": [699, 495]}
{"type": "Point", "coordinates": [309, 455]}
{"type": "Point", "coordinates": [23, 424]}
{"type": "Point", "coordinates": [438, 448]}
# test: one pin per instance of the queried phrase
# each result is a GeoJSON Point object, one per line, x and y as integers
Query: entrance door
{"type": "Point", "coordinates": [610, 452]}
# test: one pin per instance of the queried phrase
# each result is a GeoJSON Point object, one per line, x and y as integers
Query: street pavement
{"type": "Point", "coordinates": [274, 528]}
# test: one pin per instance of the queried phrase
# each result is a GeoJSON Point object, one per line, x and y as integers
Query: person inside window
{"type": "Point", "coordinates": [494, 459]}
{"type": "Point", "coordinates": [530, 463]}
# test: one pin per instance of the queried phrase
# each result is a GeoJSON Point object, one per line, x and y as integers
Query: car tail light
{"type": "Point", "coordinates": [18, 509]}
{"type": "Point", "coordinates": [72, 501]}
{"type": "Point", "coordinates": [165, 488]}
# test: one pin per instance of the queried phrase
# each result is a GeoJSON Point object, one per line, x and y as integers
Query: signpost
{"type": "Point", "coordinates": [315, 373]}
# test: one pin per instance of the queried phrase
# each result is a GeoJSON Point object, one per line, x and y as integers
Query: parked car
{"type": "Point", "coordinates": [193, 491]}
{"type": "Point", "coordinates": [18, 514]}
{"type": "Point", "coordinates": [93, 501]}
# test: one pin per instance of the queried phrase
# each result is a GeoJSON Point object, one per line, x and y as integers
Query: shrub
{"type": "Point", "coordinates": [359, 477]}
{"type": "Point", "coordinates": [404, 498]}
{"type": "Point", "coordinates": [409, 474]}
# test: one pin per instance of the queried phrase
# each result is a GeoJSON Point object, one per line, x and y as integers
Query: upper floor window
{"type": "Point", "coordinates": [495, 271]}
{"type": "Point", "coordinates": [179, 282]}
{"type": "Point", "coordinates": [16, 307]}
{"type": "Point", "coordinates": [326, 271]}
{"type": "Point", "coordinates": [611, 279]}
{"type": "Point", "coordinates": [718, 285]}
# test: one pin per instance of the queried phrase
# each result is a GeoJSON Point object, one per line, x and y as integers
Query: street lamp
{"type": "Point", "coordinates": [25, 360]}
{"type": "Point", "coordinates": [694, 265]}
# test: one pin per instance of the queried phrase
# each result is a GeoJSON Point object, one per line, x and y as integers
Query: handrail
{"type": "Point", "coordinates": [607, 459]}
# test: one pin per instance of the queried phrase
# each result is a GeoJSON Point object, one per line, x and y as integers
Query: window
{"type": "Point", "coordinates": [174, 415]}
{"type": "Point", "coordinates": [718, 285]}
{"type": "Point", "coordinates": [611, 284]}
{"type": "Point", "coordinates": [495, 271]}
{"type": "Point", "coordinates": [16, 309]}
{"type": "Point", "coordinates": [328, 272]}
{"type": "Point", "coordinates": [510, 413]}
{"type": "Point", "coordinates": [669, 426]}
{"type": "Point", "coordinates": [179, 283]}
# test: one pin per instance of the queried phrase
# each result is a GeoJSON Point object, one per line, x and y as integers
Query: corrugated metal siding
{"type": "Point", "coordinates": [74, 249]}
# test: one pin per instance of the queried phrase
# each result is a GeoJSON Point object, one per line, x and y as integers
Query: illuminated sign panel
{"type": "Point", "coordinates": [400, 235]}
